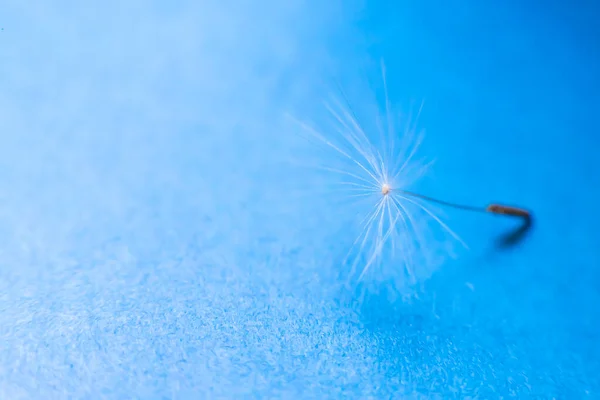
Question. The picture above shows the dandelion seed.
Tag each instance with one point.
(398, 221)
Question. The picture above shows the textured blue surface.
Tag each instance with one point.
(153, 245)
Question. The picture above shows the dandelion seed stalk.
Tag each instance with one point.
(497, 209)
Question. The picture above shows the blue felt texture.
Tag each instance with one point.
(159, 239)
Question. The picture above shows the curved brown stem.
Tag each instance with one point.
(508, 210)
(507, 240)
(494, 208)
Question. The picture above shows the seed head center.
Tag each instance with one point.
(385, 189)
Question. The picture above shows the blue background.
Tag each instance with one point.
(153, 245)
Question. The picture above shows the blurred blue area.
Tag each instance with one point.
(153, 243)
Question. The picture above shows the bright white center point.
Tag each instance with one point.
(385, 189)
